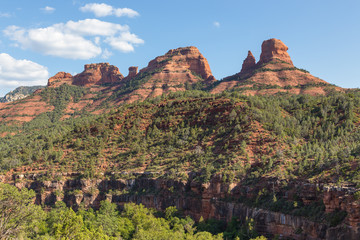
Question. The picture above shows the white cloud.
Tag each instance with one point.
(14, 73)
(106, 54)
(48, 9)
(216, 24)
(99, 9)
(103, 10)
(74, 40)
(122, 12)
(92, 27)
(52, 41)
(125, 42)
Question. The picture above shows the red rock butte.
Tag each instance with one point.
(99, 73)
(274, 49)
(273, 73)
(180, 59)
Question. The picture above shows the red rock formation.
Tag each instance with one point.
(249, 63)
(172, 72)
(59, 79)
(274, 49)
(205, 200)
(273, 73)
(132, 72)
(180, 59)
(98, 73)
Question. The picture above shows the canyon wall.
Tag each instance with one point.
(213, 200)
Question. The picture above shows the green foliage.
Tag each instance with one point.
(21, 218)
(59, 97)
(17, 211)
(303, 136)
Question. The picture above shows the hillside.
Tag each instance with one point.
(238, 141)
(19, 93)
(185, 130)
(171, 135)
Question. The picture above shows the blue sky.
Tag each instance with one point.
(42, 37)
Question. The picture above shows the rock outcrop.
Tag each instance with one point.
(59, 79)
(175, 71)
(274, 49)
(99, 73)
(273, 73)
(185, 61)
(213, 200)
(133, 71)
(249, 63)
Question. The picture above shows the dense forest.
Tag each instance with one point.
(242, 137)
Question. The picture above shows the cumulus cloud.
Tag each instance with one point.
(53, 41)
(75, 40)
(125, 42)
(14, 72)
(216, 24)
(48, 9)
(103, 10)
(91, 27)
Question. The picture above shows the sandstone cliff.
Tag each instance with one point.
(100, 73)
(214, 200)
(179, 69)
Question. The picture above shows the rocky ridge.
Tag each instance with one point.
(273, 73)
(177, 70)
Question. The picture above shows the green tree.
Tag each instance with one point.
(17, 211)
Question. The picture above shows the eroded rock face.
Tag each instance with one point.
(249, 63)
(59, 79)
(132, 72)
(99, 73)
(182, 60)
(179, 69)
(274, 48)
(213, 200)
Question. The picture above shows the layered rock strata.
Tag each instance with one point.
(213, 200)
(100, 73)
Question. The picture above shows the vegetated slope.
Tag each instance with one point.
(274, 73)
(19, 93)
(245, 138)
(214, 153)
